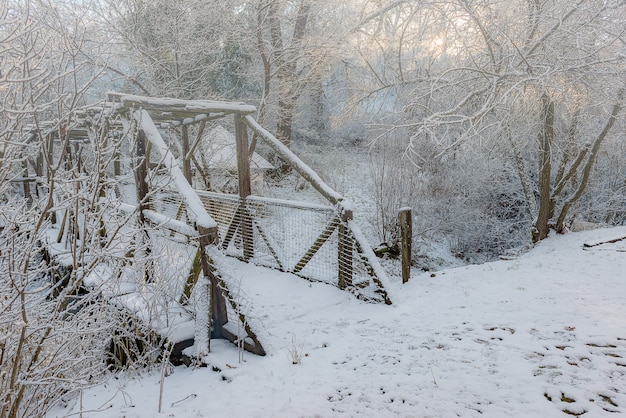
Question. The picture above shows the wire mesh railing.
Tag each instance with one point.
(310, 240)
(316, 242)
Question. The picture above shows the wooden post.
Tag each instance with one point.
(106, 137)
(67, 153)
(245, 188)
(345, 247)
(141, 183)
(186, 161)
(219, 315)
(141, 175)
(39, 173)
(406, 233)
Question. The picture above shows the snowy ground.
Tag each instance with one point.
(543, 335)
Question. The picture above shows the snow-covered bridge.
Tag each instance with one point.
(162, 189)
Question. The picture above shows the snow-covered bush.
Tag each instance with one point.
(465, 200)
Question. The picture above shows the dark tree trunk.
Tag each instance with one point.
(546, 137)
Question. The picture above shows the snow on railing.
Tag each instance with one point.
(198, 213)
(161, 220)
(295, 162)
(172, 105)
(344, 207)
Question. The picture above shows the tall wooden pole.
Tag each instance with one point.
(219, 315)
(141, 174)
(406, 232)
(143, 200)
(245, 188)
(186, 161)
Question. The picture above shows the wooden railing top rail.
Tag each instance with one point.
(178, 108)
(263, 199)
(295, 162)
(196, 210)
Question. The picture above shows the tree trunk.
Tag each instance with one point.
(582, 186)
(286, 67)
(531, 204)
(546, 137)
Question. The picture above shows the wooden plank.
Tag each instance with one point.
(269, 245)
(345, 247)
(179, 105)
(219, 316)
(192, 279)
(245, 188)
(186, 161)
(321, 240)
(304, 170)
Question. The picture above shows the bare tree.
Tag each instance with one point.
(281, 50)
(543, 78)
(53, 334)
(186, 49)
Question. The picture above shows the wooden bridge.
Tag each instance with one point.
(166, 206)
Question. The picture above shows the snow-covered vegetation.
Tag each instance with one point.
(500, 123)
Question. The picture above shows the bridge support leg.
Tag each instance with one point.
(345, 247)
(219, 316)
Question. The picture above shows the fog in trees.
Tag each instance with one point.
(498, 122)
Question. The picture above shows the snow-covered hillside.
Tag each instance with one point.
(543, 335)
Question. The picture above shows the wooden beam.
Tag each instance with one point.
(196, 211)
(345, 247)
(245, 188)
(219, 315)
(179, 106)
(304, 170)
(186, 161)
(328, 231)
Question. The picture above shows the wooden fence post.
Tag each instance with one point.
(406, 232)
(49, 177)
